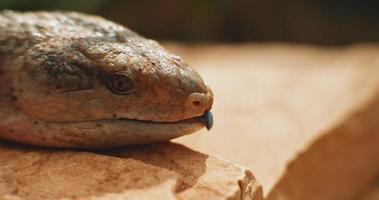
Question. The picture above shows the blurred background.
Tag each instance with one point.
(327, 22)
(271, 100)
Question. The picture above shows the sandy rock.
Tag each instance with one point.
(303, 118)
(164, 171)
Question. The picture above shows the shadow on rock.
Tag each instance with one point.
(171, 156)
(42, 173)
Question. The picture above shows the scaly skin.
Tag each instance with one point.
(75, 80)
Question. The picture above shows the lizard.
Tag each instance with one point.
(74, 80)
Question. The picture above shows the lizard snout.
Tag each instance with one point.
(200, 102)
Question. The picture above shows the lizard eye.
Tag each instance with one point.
(120, 84)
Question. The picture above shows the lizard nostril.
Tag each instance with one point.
(199, 102)
(196, 103)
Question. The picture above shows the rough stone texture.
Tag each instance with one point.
(164, 171)
(303, 118)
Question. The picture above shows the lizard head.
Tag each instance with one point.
(144, 82)
(113, 84)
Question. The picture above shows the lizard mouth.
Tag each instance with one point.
(206, 118)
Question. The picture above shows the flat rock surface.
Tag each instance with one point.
(303, 118)
(164, 171)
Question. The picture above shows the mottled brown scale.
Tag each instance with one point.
(91, 83)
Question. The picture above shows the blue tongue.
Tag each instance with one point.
(208, 120)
